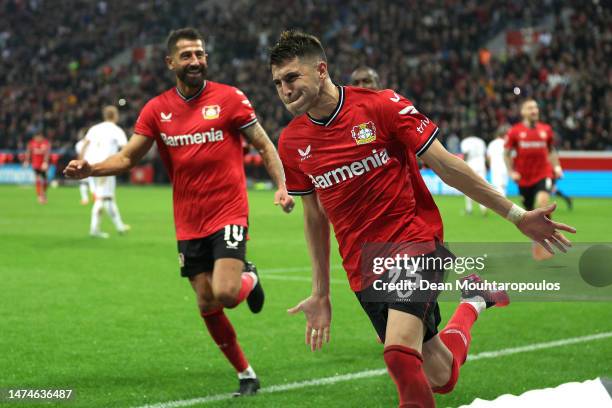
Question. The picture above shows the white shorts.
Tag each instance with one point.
(103, 187)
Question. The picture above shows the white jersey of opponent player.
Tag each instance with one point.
(499, 171)
(474, 150)
(104, 140)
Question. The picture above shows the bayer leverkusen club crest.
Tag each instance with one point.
(211, 111)
(364, 133)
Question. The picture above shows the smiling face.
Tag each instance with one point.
(298, 82)
(530, 111)
(189, 62)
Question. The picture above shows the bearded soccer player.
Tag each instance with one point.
(197, 127)
(536, 162)
(346, 153)
(37, 154)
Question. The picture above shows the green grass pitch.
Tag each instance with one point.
(113, 320)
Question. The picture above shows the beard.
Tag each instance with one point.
(192, 81)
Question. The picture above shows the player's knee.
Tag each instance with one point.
(227, 295)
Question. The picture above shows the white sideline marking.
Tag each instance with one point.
(379, 372)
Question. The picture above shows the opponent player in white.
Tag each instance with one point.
(474, 149)
(497, 164)
(84, 183)
(102, 141)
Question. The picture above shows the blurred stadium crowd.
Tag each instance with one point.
(58, 62)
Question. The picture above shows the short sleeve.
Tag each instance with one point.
(243, 114)
(415, 130)
(298, 184)
(146, 124)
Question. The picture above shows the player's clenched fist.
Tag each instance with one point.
(77, 169)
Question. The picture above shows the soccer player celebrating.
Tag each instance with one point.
(37, 154)
(102, 141)
(197, 127)
(346, 153)
(536, 161)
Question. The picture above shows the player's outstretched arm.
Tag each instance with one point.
(257, 136)
(553, 157)
(127, 158)
(534, 224)
(317, 307)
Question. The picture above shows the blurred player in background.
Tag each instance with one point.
(474, 150)
(102, 141)
(38, 153)
(84, 183)
(345, 153)
(497, 164)
(198, 126)
(365, 77)
(536, 161)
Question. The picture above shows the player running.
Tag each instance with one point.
(38, 153)
(347, 152)
(101, 142)
(536, 162)
(474, 151)
(197, 127)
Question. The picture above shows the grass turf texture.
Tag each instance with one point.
(113, 320)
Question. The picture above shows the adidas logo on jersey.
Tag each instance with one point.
(348, 171)
(197, 138)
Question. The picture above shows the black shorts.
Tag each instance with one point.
(529, 192)
(40, 172)
(199, 255)
(422, 303)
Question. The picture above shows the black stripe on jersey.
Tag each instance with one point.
(428, 143)
(186, 99)
(248, 124)
(327, 121)
(300, 193)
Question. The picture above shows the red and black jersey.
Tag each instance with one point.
(199, 141)
(39, 150)
(532, 146)
(361, 162)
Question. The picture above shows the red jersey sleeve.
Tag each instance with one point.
(510, 139)
(415, 130)
(243, 114)
(297, 182)
(146, 124)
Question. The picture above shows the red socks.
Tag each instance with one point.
(456, 336)
(222, 332)
(39, 187)
(247, 285)
(405, 365)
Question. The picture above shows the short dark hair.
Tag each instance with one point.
(293, 43)
(188, 33)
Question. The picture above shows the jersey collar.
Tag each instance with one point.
(329, 119)
(192, 97)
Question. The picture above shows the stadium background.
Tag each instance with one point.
(112, 320)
